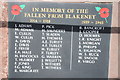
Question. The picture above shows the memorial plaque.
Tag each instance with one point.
(59, 40)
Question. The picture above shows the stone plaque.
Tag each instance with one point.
(59, 40)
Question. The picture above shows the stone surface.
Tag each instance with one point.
(4, 41)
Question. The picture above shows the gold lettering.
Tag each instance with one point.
(35, 9)
(53, 10)
(55, 16)
(36, 15)
(81, 10)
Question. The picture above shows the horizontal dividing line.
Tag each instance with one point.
(36, 26)
(60, 79)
